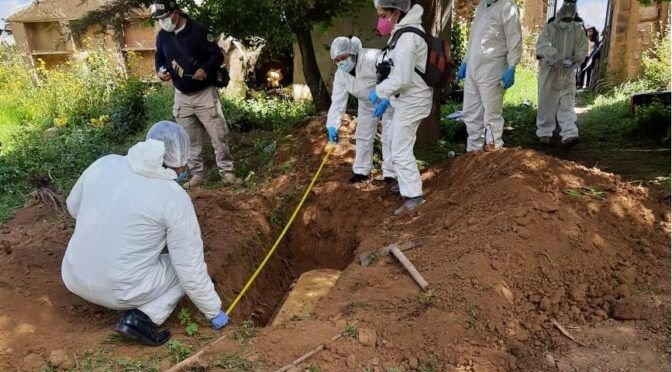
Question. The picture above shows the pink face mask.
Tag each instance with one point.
(385, 26)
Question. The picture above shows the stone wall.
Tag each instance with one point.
(632, 31)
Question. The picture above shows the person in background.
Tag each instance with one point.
(128, 211)
(584, 74)
(405, 90)
(488, 69)
(356, 75)
(561, 48)
(188, 55)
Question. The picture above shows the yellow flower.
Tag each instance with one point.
(60, 122)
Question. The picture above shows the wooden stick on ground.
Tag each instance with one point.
(565, 332)
(309, 354)
(409, 267)
(194, 358)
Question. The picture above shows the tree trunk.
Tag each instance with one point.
(311, 71)
(433, 22)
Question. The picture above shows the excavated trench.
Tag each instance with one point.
(325, 236)
(239, 231)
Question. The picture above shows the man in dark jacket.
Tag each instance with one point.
(187, 55)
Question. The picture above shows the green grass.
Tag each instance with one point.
(245, 332)
(520, 109)
(233, 362)
(178, 350)
(350, 330)
(525, 88)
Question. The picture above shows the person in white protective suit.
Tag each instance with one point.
(356, 75)
(488, 69)
(406, 91)
(561, 48)
(128, 209)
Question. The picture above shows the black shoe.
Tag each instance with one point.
(357, 178)
(389, 181)
(136, 325)
(570, 142)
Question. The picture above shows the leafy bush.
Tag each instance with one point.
(653, 121)
(265, 113)
(94, 109)
(656, 63)
(127, 115)
(451, 130)
(459, 37)
(67, 95)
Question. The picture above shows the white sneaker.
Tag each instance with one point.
(195, 181)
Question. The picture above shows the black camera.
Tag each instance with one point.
(383, 70)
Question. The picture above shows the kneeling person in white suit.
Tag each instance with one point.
(128, 210)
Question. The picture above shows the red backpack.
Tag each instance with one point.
(440, 64)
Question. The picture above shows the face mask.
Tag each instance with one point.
(563, 25)
(385, 26)
(346, 65)
(167, 24)
(181, 177)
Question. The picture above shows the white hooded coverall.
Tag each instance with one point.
(411, 99)
(128, 209)
(495, 43)
(557, 83)
(359, 86)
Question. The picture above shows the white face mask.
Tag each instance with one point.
(347, 65)
(167, 24)
(563, 25)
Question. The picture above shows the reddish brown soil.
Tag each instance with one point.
(507, 251)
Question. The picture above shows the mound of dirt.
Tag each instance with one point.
(515, 240)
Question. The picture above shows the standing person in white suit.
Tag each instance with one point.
(406, 91)
(489, 68)
(356, 75)
(129, 210)
(561, 48)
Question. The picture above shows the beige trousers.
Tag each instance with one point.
(201, 111)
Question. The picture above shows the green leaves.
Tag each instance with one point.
(276, 21)
(191, 328)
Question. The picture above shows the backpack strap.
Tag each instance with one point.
(393, 43)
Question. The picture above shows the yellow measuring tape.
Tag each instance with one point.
(330, 149)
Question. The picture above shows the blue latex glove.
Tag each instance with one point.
(381, 107)
(509, 77)
(220, 320)
(462, 71)
(373, 97)
(333, 134)
(181, 177)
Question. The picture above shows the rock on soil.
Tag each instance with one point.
(34, 363)
(629, 309)
(367, 336)
(61, 359)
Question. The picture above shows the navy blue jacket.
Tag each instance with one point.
(190, 50)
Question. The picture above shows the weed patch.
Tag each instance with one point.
(233, 362)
